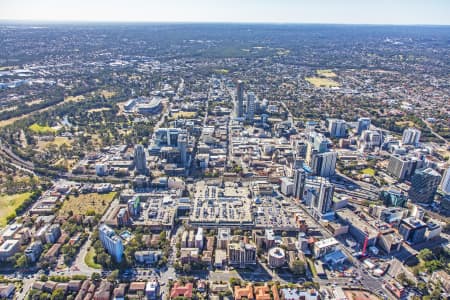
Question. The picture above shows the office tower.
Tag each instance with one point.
(403, 167)
(337, 128)
(445, 183)
(182, 146)
(424, 184)
(412, 230)
(239, 105)
(167, 136)
(299, 182)
(323, 201)
(140, 161)
(250, 106)
(363, 124)
(411, 136)
(324, 164)
(111, 242)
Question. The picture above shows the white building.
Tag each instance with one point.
(411, 136)
(250, 106)
(445, 183)
(199, 238)
(111, 241)
(324, 247)
(287, 186)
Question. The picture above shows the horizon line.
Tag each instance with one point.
(56, 22)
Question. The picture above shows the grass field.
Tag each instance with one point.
(74, 98)
(98, 109)
(107, 94)
(41, 129)
(184, 114)
(322, 82)
(221, 71)
(89, 259)
(326, 73)
(87, 202)
(9, 203)
(369, 171)
(405, 123)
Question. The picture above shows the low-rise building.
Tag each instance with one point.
(8, 249)
(33, 251)
(325, 246)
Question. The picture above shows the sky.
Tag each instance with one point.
(431, 12)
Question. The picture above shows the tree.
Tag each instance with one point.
(113, 276)
(298, 267)
(96, 276)
(58, 294)
(425, 254)
(186, 268)
(21, 262)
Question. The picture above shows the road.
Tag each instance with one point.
(367, 280)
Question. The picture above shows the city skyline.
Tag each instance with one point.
(401, 12)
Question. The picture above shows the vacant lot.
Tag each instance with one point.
(9, 203)
(87, 202)
(58, 141)
(322, 82)
(41, 129)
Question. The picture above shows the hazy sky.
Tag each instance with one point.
(270, 11)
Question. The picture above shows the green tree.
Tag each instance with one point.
(113, 276)
(58, 294)
(298, 267)
(96, 276)
(21, 262)
(425, 254)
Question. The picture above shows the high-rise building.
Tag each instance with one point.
(241, 254)
(363, 124)
(182, 146)
(111, 242)
(370, 139)
(140, 160)
(286, 186)
(403, 167)
(411, 136)
(324, 164)
(445, 183)
(167, 136)
(250, 106)
(299, 182)
(337, 128)
(424, 184)
(239, 105)
(323, 201)
(134, 206)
